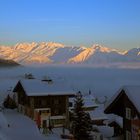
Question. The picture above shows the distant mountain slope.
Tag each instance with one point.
(58, 53)
(97, 54)
(6, 63)
(62, 55)
(133, 54)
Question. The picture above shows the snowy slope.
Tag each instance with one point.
(62, 55)
(58, 53)
(22, 128)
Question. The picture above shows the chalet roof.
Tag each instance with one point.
(39, 88)
(98, 113)
(133, 93)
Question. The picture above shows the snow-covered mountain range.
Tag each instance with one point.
(58, 53)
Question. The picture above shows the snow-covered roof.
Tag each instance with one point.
(40, 88)
(133, 93)
(89, 101)
(98, 113)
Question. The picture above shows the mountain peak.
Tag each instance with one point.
(100, 48)
(50, 44)
(55, 44)
(97, 46)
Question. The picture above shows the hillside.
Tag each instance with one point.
(8, 63)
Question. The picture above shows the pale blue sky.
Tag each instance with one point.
(113, 23)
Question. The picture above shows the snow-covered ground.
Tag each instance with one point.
(22, 128)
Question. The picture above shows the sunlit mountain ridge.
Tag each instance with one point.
(57, 53)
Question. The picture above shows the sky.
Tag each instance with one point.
(112, 23)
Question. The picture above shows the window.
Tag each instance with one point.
(128, 113)
(128, 135)
(70, 104)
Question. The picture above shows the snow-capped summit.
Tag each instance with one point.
(100, 48)
(51, 52)
(104, 49)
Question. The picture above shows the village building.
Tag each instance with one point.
(45, 102)
(126, 104)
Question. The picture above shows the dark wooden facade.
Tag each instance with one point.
(118, 107)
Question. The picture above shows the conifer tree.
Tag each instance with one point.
(81, 123)
(9, 103)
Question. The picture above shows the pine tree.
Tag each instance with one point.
(81, 123)
(9, 103)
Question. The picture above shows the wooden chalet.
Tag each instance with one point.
(126, 104)
(46, 103)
